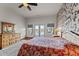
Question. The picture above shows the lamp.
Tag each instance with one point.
(58, 31)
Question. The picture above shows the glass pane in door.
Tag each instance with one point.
(36, 30)
(30, 32)
(41, 30)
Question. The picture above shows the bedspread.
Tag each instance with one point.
(31, 50)
(45, 46)
(48, 42)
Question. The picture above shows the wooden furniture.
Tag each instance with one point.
(56, 36)
(28, 38)
(7, 35)
(7, 27)
(74, 33)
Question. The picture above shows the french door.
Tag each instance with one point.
(39, 30)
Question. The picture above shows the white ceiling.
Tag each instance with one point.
(43, 9)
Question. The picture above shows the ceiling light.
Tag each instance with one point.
(25, 3)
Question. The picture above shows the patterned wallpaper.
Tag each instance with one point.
(69, 14)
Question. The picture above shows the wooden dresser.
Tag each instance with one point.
(7, 38)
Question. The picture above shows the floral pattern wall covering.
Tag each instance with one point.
(70, 14)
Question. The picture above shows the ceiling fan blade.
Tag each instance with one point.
(20, 5)
(29, 8)
(33, 4)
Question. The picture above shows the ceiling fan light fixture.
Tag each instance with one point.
(24, 1)
(25, 4)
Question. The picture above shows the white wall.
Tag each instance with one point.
(42, 20)
(8, 15)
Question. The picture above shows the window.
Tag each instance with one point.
(30, 30)
(39, 30)
(36, 30)
(42, 30)
(50, 29)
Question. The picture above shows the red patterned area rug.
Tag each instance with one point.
(30, 50)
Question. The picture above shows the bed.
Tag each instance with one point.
(45, 46)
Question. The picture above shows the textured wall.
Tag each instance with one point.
(68, 19)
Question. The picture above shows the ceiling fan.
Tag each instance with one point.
(27, 5)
